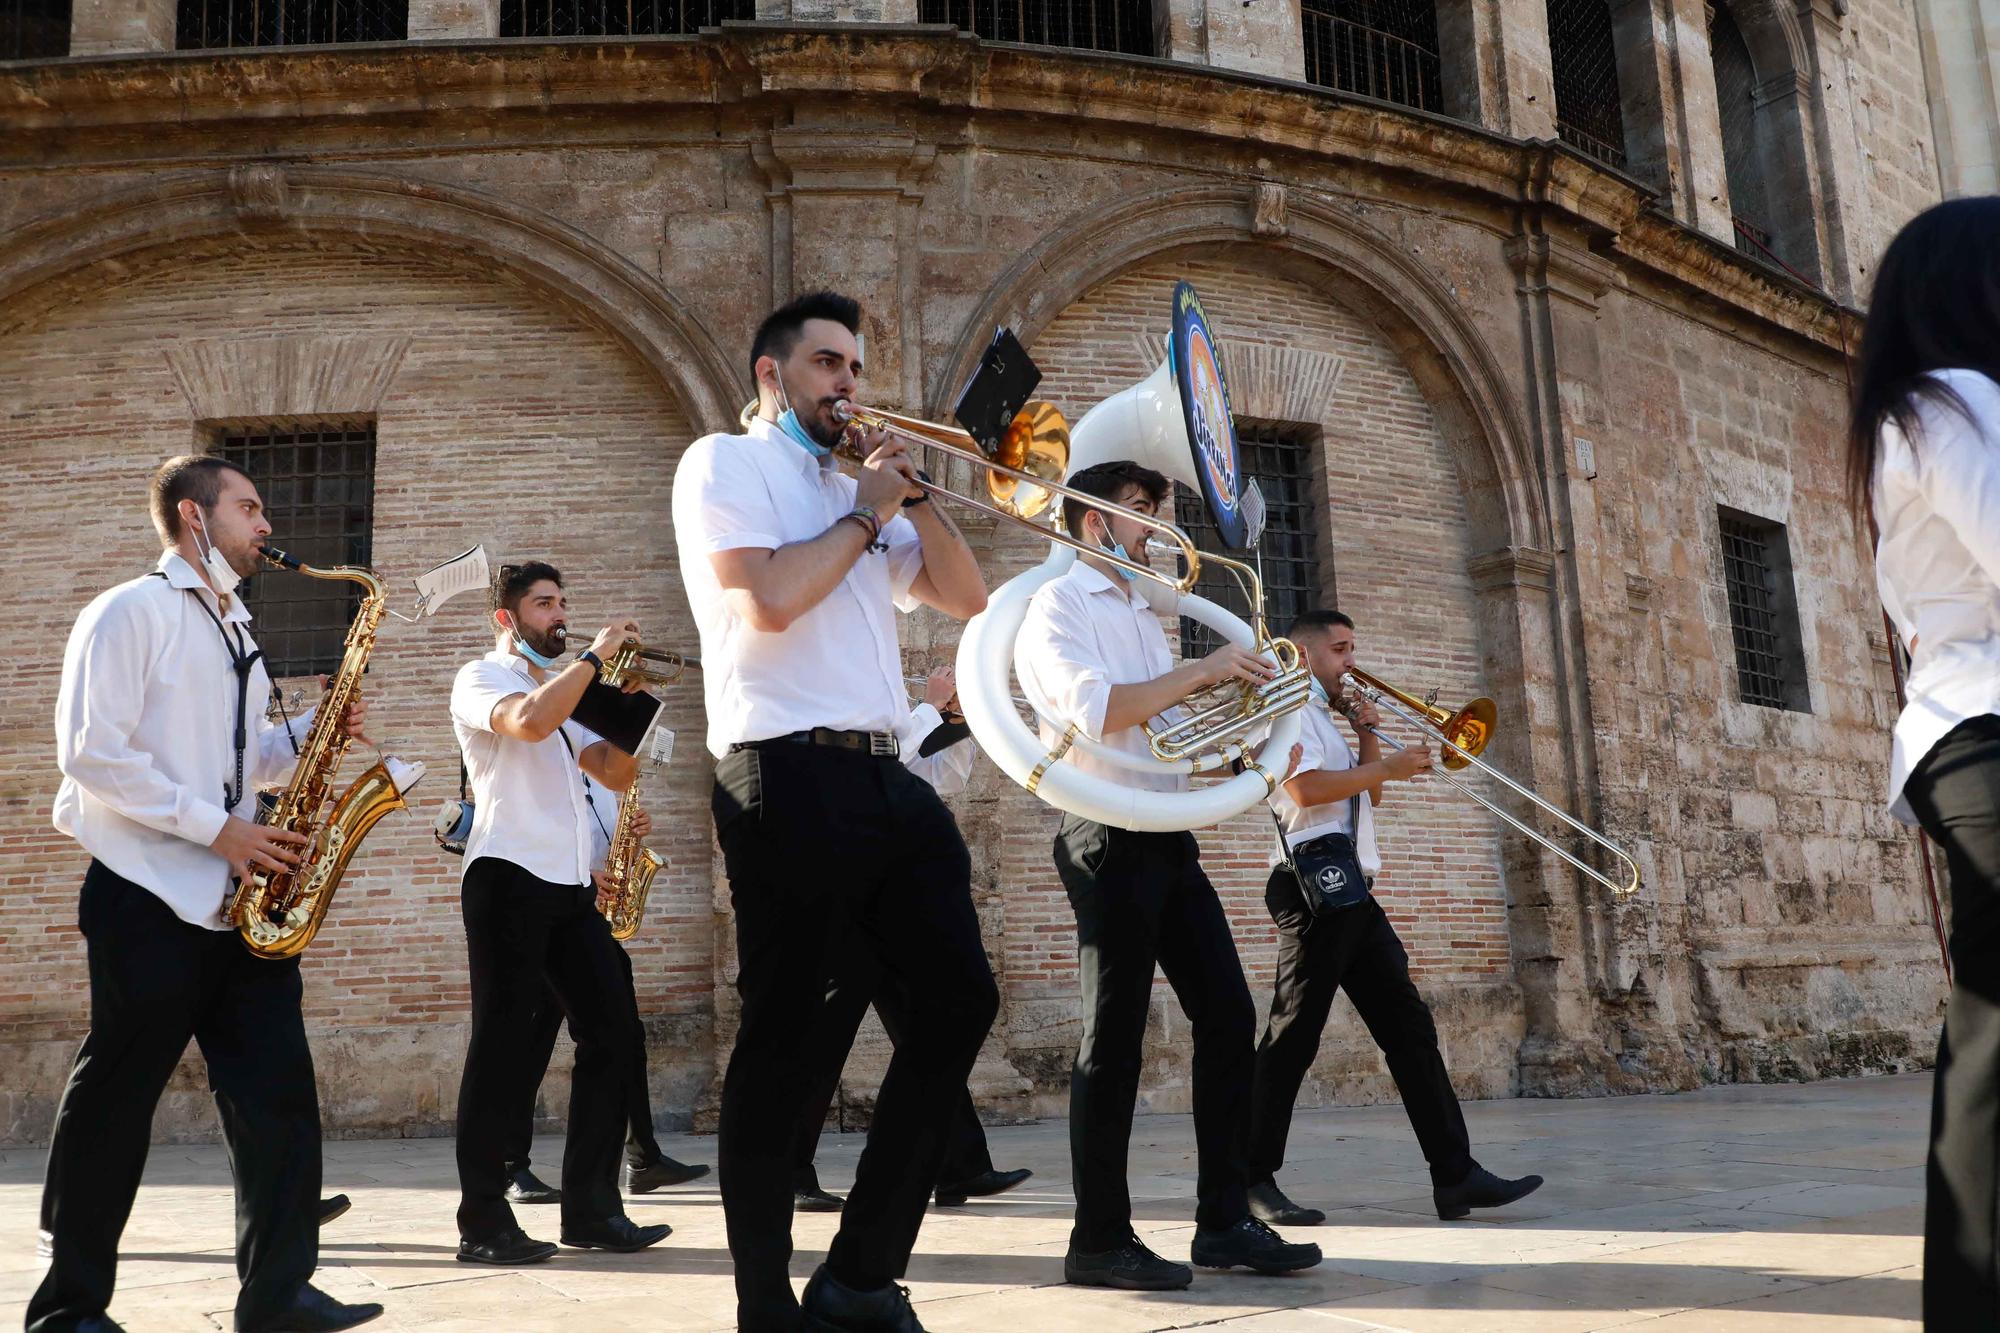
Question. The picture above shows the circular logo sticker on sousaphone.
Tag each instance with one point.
(1211, 429)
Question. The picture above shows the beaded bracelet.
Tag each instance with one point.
(863, 514)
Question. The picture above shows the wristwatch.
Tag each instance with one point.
(596, 662)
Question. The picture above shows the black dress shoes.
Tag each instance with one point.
(1130, 1267)
(313, 1311)
(617, 1234)
(813, 1199)
(523, 1186)
(334, 1207)
(983, 1185)
(660, 1173)
(1252, 1245)
(1269, 1204)
(510, 1249)
(833, 1308)
(1481, 1189)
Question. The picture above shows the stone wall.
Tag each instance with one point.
(540, 283)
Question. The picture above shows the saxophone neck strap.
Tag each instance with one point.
(242, 658)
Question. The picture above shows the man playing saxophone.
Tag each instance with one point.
(162, 745)
(532, 925)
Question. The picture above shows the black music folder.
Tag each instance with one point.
(621, 718)
(1001, 383)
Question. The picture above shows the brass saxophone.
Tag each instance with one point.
(279, 912)
(630, 869)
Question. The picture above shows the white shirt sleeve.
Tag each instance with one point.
(720, 501)
(98, 702)
(478, 690)
(1057, 640)
(906, 559)
(949, 769)
(1958, 468)
(278, 746)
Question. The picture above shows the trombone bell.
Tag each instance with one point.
(1037, 443)
(1468, 730)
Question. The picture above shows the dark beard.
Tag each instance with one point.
(546, 643)
(827, 437)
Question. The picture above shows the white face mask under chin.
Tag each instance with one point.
(222, 575)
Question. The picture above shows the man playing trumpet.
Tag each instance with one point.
(1333, 791)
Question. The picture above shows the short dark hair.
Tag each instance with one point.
(1105, 481)
(779, 333)
(1316, 622)
(196, 477)
(511, 583)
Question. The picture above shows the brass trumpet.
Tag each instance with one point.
(1463, 734)
(635, 661)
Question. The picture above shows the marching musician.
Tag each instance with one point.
(1334, 791)
(1092, 650)
(162, 745)
(532, 924)
(794, 571)
(647, 1166)
(967, 1171)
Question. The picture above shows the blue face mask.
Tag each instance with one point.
(521, 647)
(789, 423)
(1319, 692)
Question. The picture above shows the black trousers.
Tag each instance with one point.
(641, 1148)
(830, 851)
(853, 986)
(156, 981)
(1955, 793)
(1357, 948)
(523, 937)
(1142, 899)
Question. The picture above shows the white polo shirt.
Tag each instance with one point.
(1083, 634)
(1326, 750)
(145, 725)
(528, 796)
(838, 665)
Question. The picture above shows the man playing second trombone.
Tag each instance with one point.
(1334, 792)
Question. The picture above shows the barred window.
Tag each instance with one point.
(1387, 49)
(1124, 26)
(213, 24)
(617, 18)
(34, 29)
(1736, 105)
(318, 487)
(1279, 457)
(1589, 116)
(1763, 612)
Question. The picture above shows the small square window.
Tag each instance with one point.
(1278, 456)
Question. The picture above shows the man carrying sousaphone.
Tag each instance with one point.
(1092, 650)
(794, 572)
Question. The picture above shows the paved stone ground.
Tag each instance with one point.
(1741, 1208)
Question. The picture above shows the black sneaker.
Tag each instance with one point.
(1481, 1189)
(1130, 1267)
(1250, 1244)
(1269, 1204)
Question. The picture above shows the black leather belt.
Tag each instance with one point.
(881, 743)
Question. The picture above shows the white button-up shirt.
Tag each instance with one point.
(1083, 634)
(1937, 567)
(838, 665)
(1324, 749)
(528, 796)
(949, 769)
(145, 737)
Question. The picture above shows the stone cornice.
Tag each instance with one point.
(362, 99)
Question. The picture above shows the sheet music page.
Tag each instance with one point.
(461, 573)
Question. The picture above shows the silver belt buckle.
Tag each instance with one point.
(882, 744)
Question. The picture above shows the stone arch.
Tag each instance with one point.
(1331, 250)
(273, 199)
(1767, 125)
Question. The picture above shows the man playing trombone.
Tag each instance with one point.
(1091, 655)
(1355, 946)
(794, 572)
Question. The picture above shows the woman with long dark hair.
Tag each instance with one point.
(1924, 466)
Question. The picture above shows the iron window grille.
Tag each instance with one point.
(215, 24)
(1385, 49)
(34, 29)
(1763, 612)
(1122, 26)
(318, 487)
(1589, 115)
(1279, 457)
(617, 18)
(1742, 159)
